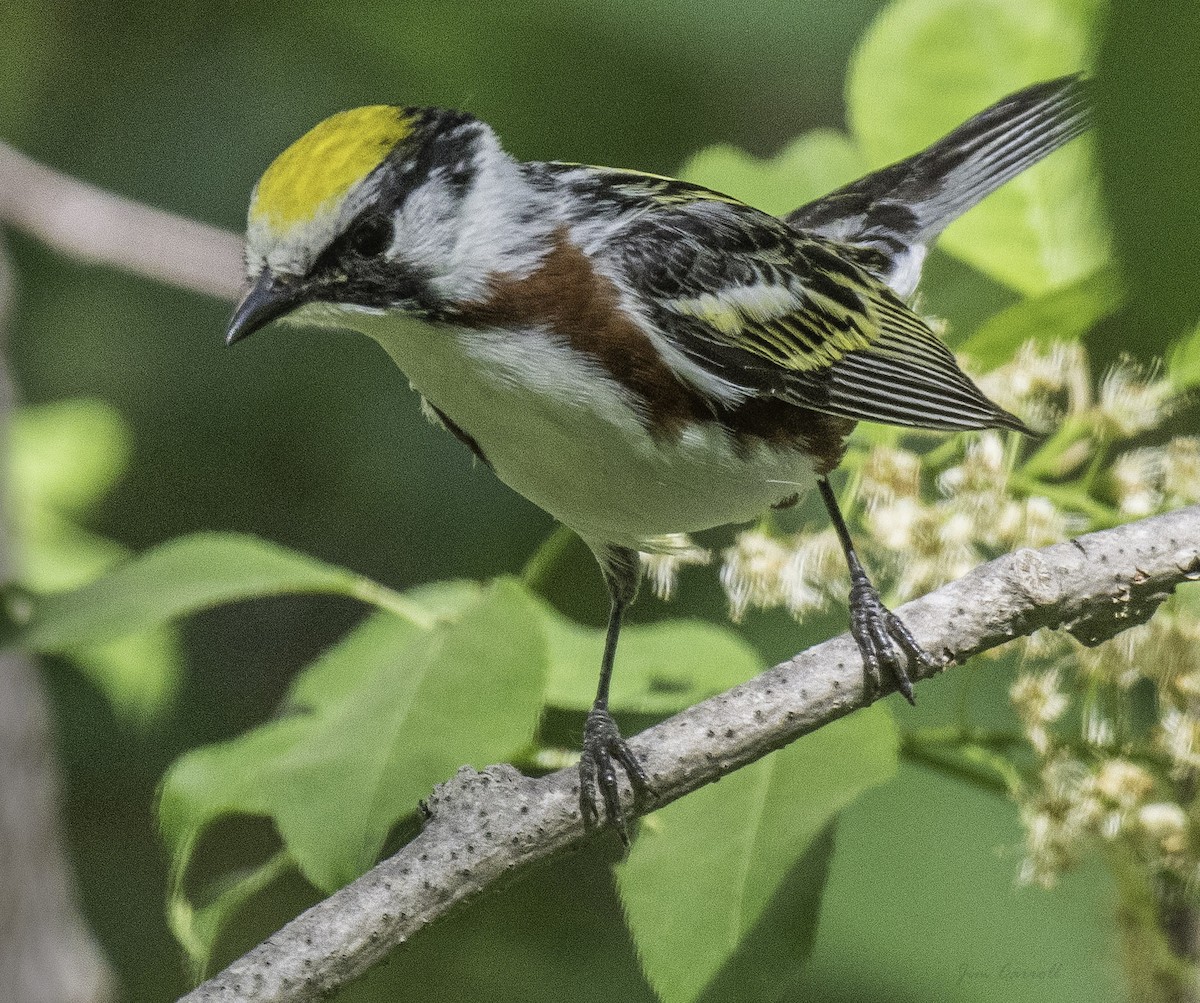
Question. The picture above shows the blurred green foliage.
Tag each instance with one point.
(919, 72)
(1150, 144)
(313, 441)
(64, 458)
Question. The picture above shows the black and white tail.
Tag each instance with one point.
(899, 209)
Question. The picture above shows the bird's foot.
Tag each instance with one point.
(603, 750)
(884, 640)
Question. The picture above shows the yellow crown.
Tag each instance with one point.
(325, 163)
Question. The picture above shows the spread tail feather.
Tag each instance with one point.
(906, 205)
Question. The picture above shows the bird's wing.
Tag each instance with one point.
(794, 317)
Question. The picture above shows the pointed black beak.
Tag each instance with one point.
(268, 300)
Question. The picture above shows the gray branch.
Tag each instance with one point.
(89, 224)
(485, 828)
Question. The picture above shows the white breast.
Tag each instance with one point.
(556, 428)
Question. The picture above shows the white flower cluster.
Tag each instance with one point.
(1143, 803)
(1076, 806)
(923, 544)
(669, 554)
(1043, 383)
(1155, 478)
(1132, 400)
(798, 574)
(921, 538)
(976, 516)
(929, 518)
(1039, 702)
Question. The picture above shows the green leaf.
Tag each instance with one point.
(466, 693)
(372, 646)
(1065, 314)
(57, 554)
(185, 576)
(704, 871)
(229, 778)
(1187, 598)
(774, 951)
(811, 166)
(662, 668)
(419, 702)
(197, 927)
(928, 65)
(139, 674)
(64, 459)
(67, 455)
(960, 295)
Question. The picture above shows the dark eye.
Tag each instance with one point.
(371, 237)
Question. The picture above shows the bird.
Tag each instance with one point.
(638, 355)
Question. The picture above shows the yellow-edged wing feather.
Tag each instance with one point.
(833, 337)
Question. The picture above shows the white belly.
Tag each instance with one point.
(558, 430)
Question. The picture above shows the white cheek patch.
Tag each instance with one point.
(505, 226)
(425, 226)
(455, 239)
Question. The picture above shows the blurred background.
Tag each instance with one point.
(313, 440)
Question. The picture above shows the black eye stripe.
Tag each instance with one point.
(371, 237)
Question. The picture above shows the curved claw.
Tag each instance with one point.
(603, 750)
(884, 640)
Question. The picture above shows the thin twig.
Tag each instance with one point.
(89, 224)
(484, 828)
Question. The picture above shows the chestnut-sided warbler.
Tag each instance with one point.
(638, 355)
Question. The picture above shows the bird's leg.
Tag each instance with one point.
(882, 637)
(603, 746)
